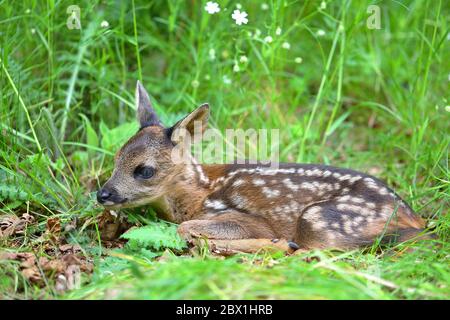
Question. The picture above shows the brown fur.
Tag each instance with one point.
(315, 206)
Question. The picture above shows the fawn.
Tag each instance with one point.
(248, 207)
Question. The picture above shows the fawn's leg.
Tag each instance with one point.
(334, 224)
(233, 232)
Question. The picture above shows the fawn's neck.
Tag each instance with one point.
(190, 185)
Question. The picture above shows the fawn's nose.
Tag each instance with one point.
(103, 195)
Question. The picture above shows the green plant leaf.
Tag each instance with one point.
(155, 236)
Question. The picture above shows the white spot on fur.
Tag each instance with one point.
(271, 193)
(215, 204)
(307, 185)
(336, 175)
(348, 227)
(345, 177)
(290, 185)
(238, 182)
(344, 198)
(357, 200)
(355, 178)
(259, 182)
(370, 205)
(312, 213)
(239, 201)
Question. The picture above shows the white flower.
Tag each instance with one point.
(286, 45)
(298, 60)
(212, 54)
(226, 80)
(320, 33)
(278, 31)
(264, 6)
(268, 39)
(28, 11)
(207, 77)
(243, 59)
(240, 17)
(323, 5)
(447, 108)
(104, 24)
(238, 5)
(257, 33)
(236, 67)
(195, 83)
(341, 27)
(33, 30)
(212, 7)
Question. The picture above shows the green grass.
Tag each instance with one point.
(372, 100)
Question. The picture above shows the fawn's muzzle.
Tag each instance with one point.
(109, 196)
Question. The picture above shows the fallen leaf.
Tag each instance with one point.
(53, 229)
(69, 248)
(111, 225)
(12, 224)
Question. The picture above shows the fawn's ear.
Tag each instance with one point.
(193, 124)
(145, 114)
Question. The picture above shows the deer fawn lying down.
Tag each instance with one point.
(247, 207)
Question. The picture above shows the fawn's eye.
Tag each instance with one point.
(143, 172)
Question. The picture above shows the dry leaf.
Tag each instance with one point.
(53, 229)
(12, 224)
(111, 225)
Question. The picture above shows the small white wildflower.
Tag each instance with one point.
(320, 33)
(257, 33)
(268, 39)
(212, 54)
(212, 7)
(323, 5)
(28, 11)
(298, 60)
(243, 59)
(239, 17)
(239, 6)
(447, 108)
(341, 27)
(33, 30)
(278, 31)
(104, 24)
(207, 77)
(236, 67)
(226, 79)
(286, 45)
(195, 83)
(264, 6)
(250, 34)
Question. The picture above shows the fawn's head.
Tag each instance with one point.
(144, 166)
